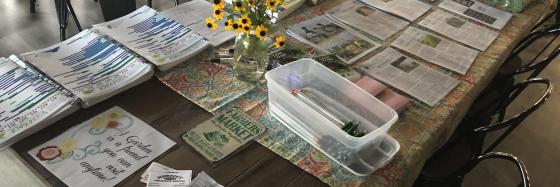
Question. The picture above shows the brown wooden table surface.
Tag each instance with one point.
(173, 115)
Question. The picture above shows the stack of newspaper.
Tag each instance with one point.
(329, 36)
(409, 76)
(435, 49)
(369, 21)
(407, 9)
(478, 11)
(460, 29)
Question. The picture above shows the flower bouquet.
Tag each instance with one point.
(252, 20)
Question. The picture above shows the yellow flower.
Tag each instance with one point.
(279, 41)
(246, 29)
(245, 20)
(238, 6)
(99, 122)
(272, 4)
(218, 4)
(238, 28)
(228, 25)
(218, 13)
(67, 145)
(210, 23)
(261, 32)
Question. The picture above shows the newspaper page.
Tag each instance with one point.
(478, 11)
(326, 35)
(407, 9)
(460, 29)
(409, 76)
(437, 50)
(192, 15)
(368, 20)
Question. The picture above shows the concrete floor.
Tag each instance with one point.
(535, 142)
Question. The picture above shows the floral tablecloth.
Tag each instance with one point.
(420, 130)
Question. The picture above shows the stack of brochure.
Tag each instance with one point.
(192, 15)
(329, 36)
(90, 66)
(161, 40)
(28, 102)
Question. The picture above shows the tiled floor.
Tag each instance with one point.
(536, 142)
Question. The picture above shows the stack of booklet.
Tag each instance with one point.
(192, 15)
(330, 36)
(28, 101)
(161, 40)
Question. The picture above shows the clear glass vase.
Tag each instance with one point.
(250, 57)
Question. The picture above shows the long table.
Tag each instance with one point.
(280, 159)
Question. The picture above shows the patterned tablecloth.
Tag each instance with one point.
(420, 129)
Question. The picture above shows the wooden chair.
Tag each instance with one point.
(467, 141)
(456, 178)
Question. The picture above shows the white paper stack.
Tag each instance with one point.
(161, 40)
(90, 66)
(28, 102)
(192, 15)
(330, 36)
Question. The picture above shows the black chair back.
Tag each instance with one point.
(457, 177)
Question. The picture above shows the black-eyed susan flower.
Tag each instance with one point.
(218, 13)
(210, 23)
(238, 6)
(218, 4)
(237, 28)
(279, 41)
(261, 32)
(245, 20)
(247, 28)
(271, 4)
(228, 25)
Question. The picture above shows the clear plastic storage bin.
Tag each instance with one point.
(360, 155)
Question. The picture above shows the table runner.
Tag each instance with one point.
(420, 129)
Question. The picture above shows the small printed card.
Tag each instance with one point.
(175, 178)
(223, 134)
(102, 151)
(153, 167)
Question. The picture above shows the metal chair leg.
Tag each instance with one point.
(32, 5)
(149, 3)
(78, 26)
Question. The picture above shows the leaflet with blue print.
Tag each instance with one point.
(91, 66)
(161, 40)
(27, 102)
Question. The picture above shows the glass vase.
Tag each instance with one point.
(250, 57)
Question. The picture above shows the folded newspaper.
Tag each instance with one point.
(407, 9)
(478, 11)
(460, 29)
(368, 20)
(328, 36)
(436, 50)
(406, 74)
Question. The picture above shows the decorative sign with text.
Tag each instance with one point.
(103, 150)
(223, 134)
